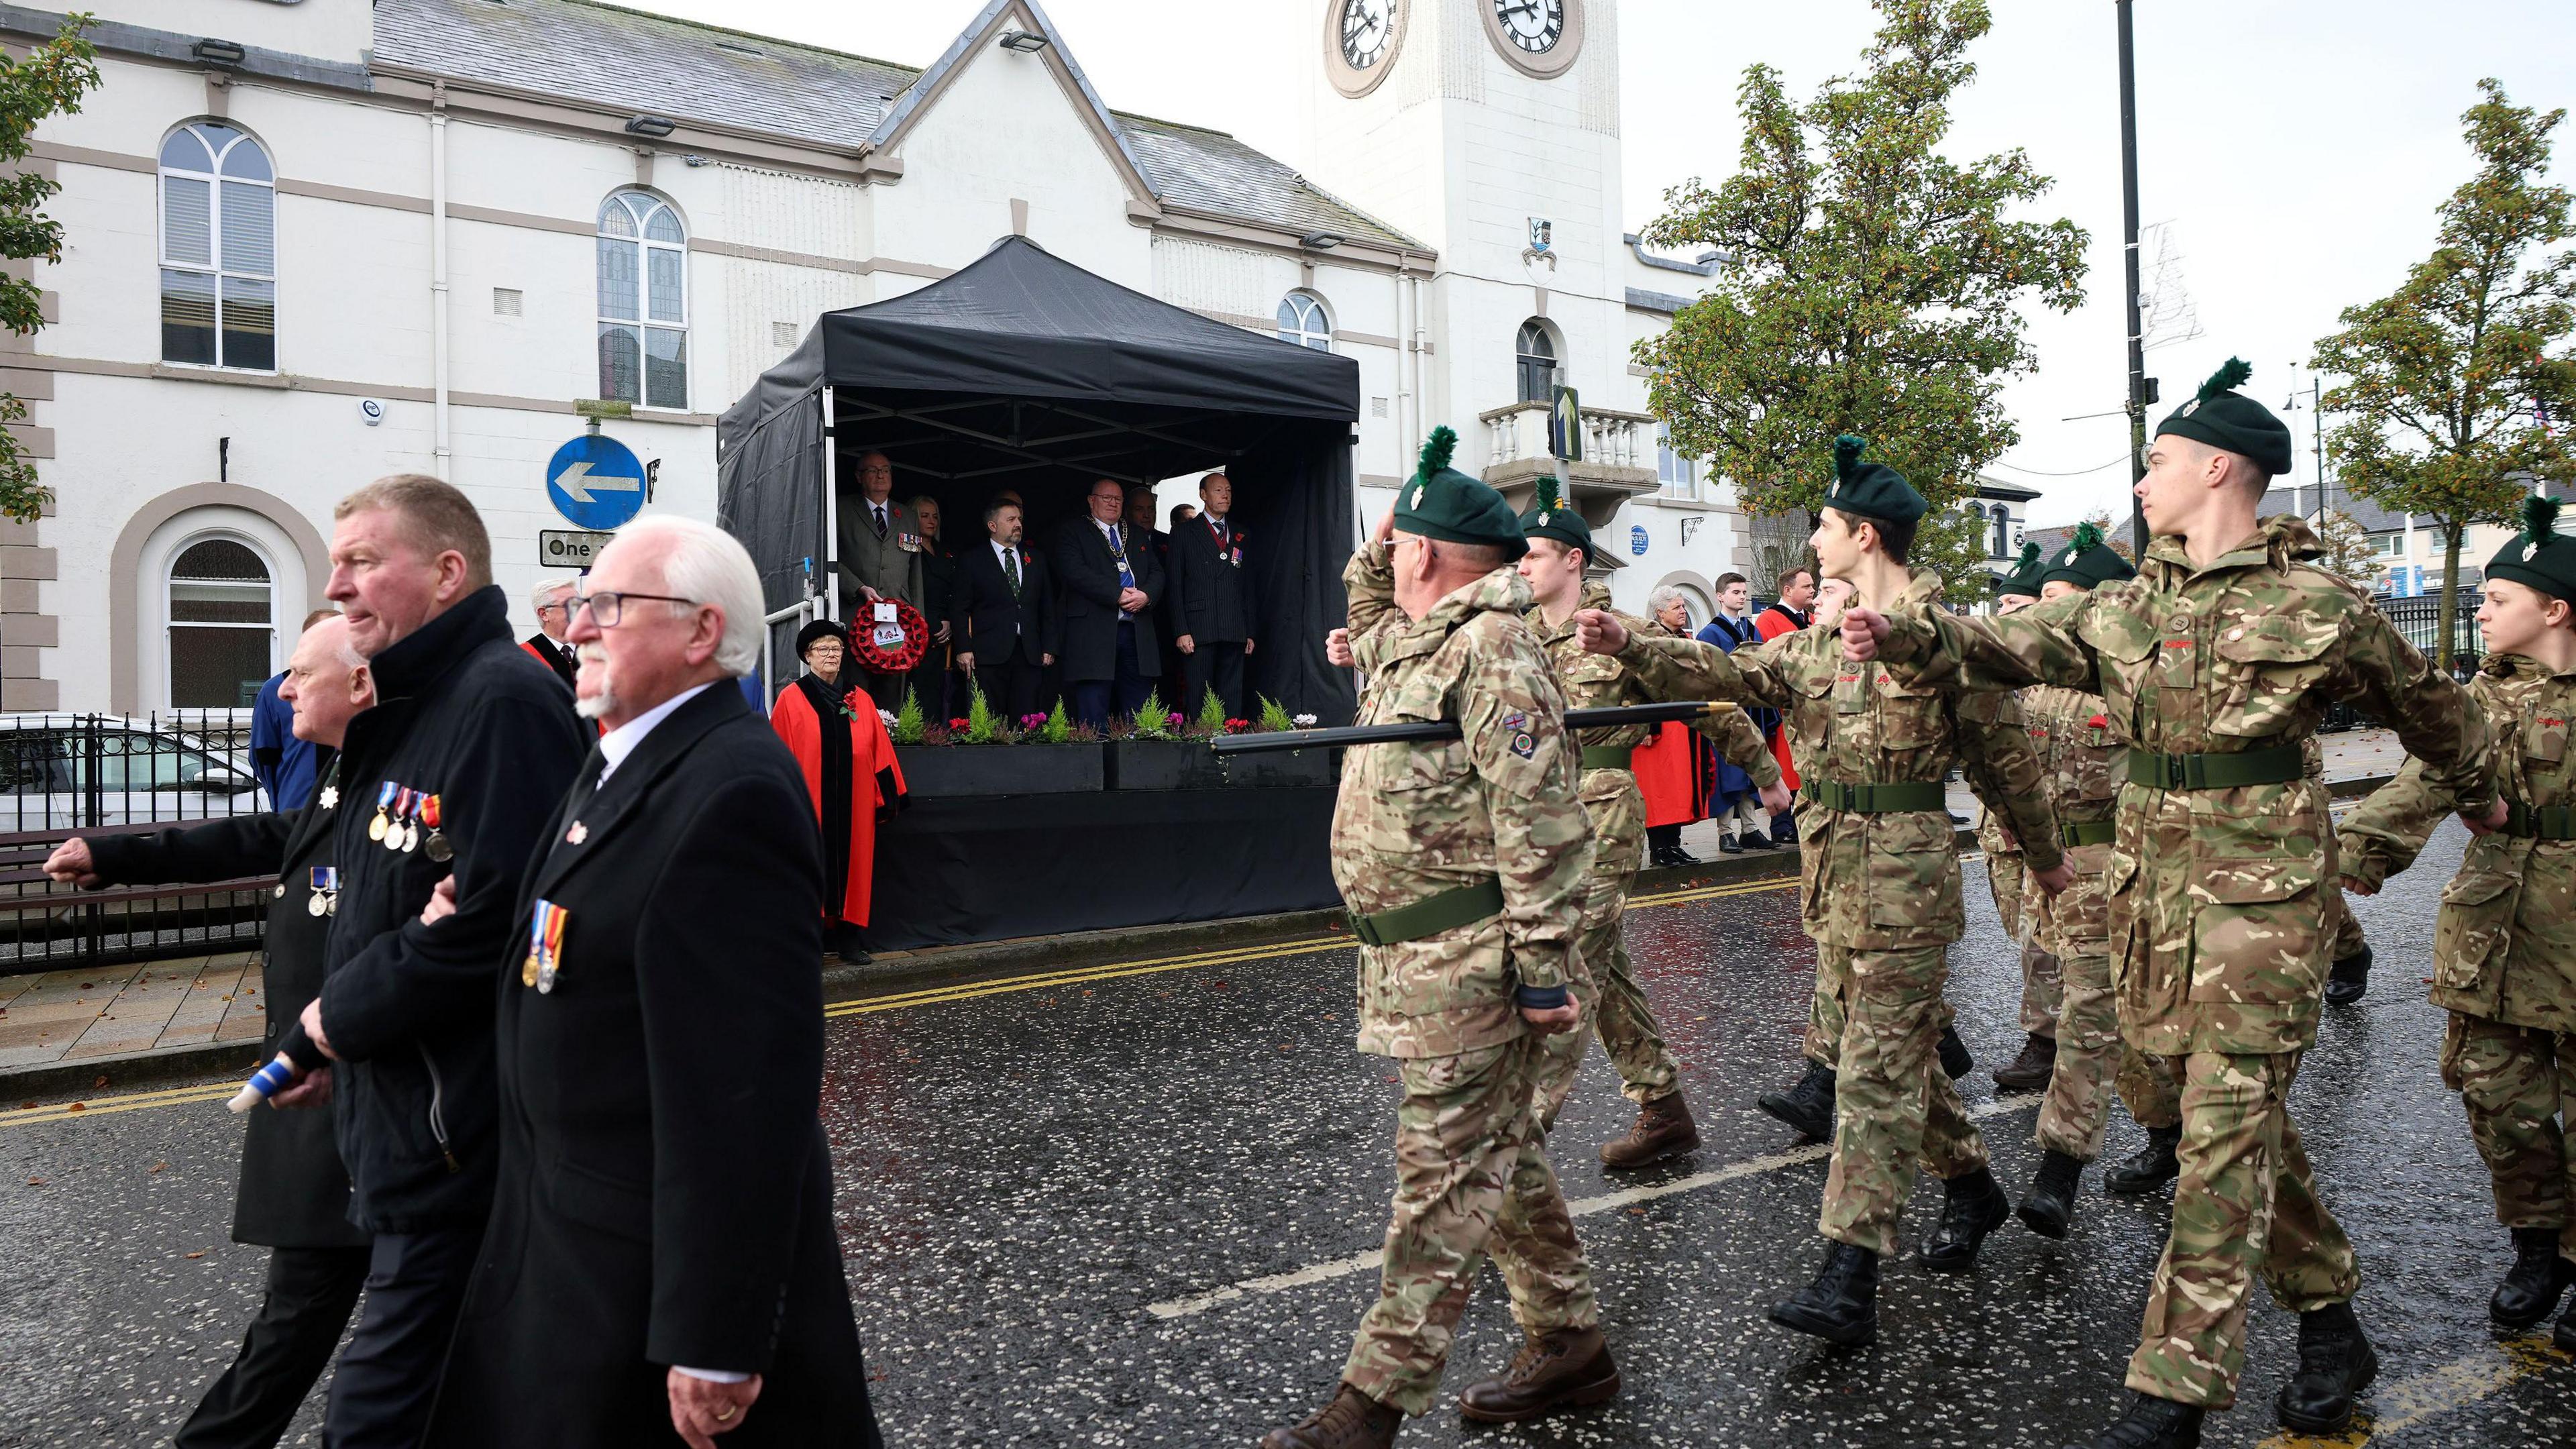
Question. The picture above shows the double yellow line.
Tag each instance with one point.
(126, 1102)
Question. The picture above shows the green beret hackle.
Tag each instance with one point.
(2087, 538)
(2539, 519)
(1436, 451)
(1548, 499)
(2227, 378)
(1847, 451)
(2029, 557)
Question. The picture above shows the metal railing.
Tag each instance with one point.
(66, 775)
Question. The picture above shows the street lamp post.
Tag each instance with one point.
(2129, 248)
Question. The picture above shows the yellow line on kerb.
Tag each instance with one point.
(124, 1102)
(2435, 1392)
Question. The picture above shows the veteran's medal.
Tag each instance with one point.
(439, 850)
(325, 899)
(377, 827)
(393, 835)
(546, 940)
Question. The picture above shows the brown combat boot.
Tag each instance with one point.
(1352, 1420)
(1566, 1369)
(2030, 1071)
(1663, 1129)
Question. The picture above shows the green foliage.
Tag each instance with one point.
(1153, 721)
(909, 726)
(1058, 728)
(1871, 284)
(1274, 716)
(49, 81)
(983, 727)
(1211, 720)
(2448, 378)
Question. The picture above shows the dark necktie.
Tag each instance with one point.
(879, 510)
(1011, 569)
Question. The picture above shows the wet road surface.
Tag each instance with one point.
(1130, 1206)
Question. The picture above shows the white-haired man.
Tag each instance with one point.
(662, 1252)
(547, 645)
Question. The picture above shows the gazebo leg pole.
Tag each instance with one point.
(831, 503)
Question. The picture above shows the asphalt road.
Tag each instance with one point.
(1138, 1206)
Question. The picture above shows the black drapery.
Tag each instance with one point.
(1024, 372)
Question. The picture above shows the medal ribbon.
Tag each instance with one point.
(429, 811)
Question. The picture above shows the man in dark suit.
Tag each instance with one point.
(930, 678)
(1211, 602)
(294, 1194)
(881, 548)
(547, 646)
(661, 1257)
(1109, 581)
(1005, 613)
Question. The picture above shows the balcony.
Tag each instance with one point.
(1618, 457)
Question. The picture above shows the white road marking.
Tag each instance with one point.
(1578, 1207)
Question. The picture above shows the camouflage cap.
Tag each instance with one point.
(1440, 502)
(1870, 490)
(2087, 561)
(1551, 517)
(2229, 420)
(2539, 556)
(2023, 577)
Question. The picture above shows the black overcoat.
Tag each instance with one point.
(666, 1194)
(293, 1191)
(1086, 575)
(1211, 595)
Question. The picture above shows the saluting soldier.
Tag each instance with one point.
(1463, 862)
(2217, 663)
(1881, 895)
(2041, 984)
(2504, 962)
(1560, 548)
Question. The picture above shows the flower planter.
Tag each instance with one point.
(940, 771)
(1191, 765)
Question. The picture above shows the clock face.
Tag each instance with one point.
(1366, 26)
(1533, 25)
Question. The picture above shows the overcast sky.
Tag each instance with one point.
(2297, 148)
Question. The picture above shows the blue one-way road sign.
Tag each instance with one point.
(595, 481)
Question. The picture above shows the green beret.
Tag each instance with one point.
(2540, 556)
(1870, 490)
(1440, 502)
(1549, 517)
(2023, 577)
(2087, 561)
(2229, 420)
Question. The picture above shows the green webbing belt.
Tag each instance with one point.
(1607, 757)
(1431, 915)
(2087, 832)
(2543, 822)
(2278, 765)
(1877, 799)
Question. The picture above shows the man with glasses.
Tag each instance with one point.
(1110, 580)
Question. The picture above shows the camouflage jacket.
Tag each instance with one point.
(1875, 882)
(2218, 912)
(1420, 817)
(2505, 945)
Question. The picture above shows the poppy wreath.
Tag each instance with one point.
(878, 659)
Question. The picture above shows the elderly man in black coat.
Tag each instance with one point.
(1110, 580)
(1210, 603)
(662, 1260)
(293, 1196)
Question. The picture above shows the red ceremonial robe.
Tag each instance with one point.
(1674, 773)
(1774, 622)
(850, 772)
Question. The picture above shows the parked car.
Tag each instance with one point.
(65, 771)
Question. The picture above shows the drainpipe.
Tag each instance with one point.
(438, 276)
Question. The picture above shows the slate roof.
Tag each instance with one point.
(656, 65)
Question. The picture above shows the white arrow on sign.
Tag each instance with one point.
(572, 481)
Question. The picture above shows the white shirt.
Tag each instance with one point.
(1008, 557)
(620, 742)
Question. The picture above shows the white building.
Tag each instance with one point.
(312, 243)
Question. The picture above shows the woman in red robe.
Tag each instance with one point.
(1676, 769)
(850, 771)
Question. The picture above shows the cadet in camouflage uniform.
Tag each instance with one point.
(1463, 863)
(1560, 548)
(2504, 953)
(2217, 663)
(2078, 751)
(2042, 978)
(1881, 888)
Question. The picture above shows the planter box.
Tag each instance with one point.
(1191, 765)
(942, 771)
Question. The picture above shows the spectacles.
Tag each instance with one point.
(608, 606)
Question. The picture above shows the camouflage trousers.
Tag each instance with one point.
(2086, 1018)
(2516, 1083)
(2148, 1088)
(2018, 906)
(2246, 1202)
(1613, 1003)
(1893, 1105)
(2043, 991)
(1471, 1180)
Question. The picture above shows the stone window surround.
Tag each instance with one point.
(125, 665)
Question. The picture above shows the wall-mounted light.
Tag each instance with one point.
(1025, 42)
(221, 54)
(1320, 241)
(651, 126)
(695, 161)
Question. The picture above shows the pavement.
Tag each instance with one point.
(1138, 1203)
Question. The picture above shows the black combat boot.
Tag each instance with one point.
(1808, 1106)
(1352, 1420)
(1955, 1061)
(2336, 1363)
(2349, 980)
(1973, 1206)
(2051, 1204)
(2532, 1285)
(2564, 1335)
(1841, 1306)
(2151, 1423)
(2031, 1070)
(2149, 1168)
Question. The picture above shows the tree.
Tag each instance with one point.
(2451, 380)
(1867, 284)
(2349, 554)
(50, 80)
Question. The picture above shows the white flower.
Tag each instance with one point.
(887, 715)
(1303, 721)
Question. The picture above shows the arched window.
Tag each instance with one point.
(218, 249)
(222, 613)
(1534, 356)
(1302, 321)
(643, 302)
(2001, 547)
